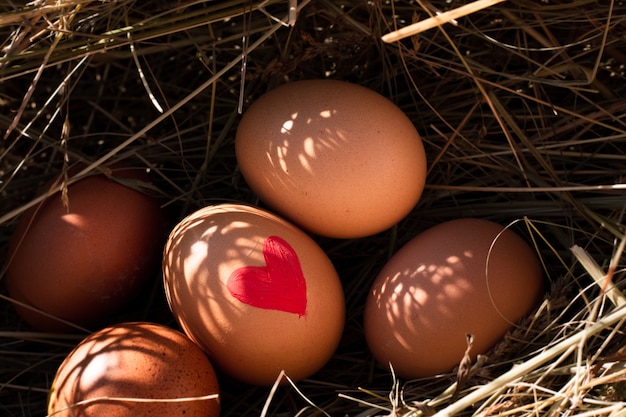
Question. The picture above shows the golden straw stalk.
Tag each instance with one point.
(439, 20)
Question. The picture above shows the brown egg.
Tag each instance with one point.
(122, 370)
(337, 159)
(465, 276)
(87, 261)
(255, 292)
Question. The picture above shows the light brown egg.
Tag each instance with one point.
(121, 371)
(255, 292)
(337, 159)
(465, 276)
(87, 261)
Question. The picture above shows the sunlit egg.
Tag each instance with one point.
(356, 164)
(465, 276)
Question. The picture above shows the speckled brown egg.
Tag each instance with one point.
(464, 276)
(254, 291)
(337, 159)
(85, 262)
(135, 370)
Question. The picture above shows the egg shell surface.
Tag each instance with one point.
(464, 276)
(255, 292)
(135, 360)
(336, 158)
(85, 262)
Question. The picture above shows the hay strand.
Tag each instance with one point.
(438, 20)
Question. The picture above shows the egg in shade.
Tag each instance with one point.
(85, 262)
(464, 276)
(254, 291)
(335, 158)
(122, 370)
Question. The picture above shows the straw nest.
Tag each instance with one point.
(521, 108)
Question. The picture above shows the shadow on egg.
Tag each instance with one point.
(458, 278)
(304, 140)
(111, 371)
(252, 318)
(336, 158)
(194, 265)
(422, 304)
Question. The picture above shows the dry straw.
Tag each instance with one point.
(440, 18)
(521, 108)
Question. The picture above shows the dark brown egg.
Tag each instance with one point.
(465, 276)
(135, 370)
(86, 261)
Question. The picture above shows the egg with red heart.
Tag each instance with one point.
(254, 291)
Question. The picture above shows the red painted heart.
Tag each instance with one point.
(280, 285)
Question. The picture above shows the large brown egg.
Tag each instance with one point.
(135, 370)
(465, 276)
(255, 292)
(86, 261)
(337, 159)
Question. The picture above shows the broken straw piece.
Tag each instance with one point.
(438, 20)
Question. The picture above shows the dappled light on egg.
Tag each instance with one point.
(438, 274)
(197, 254)
(309, 147)
(226, 229)
(74, 220)
(453, 260)
(261, 297)
(460, 277)
(198, 249)
(99, 365)
(304, 162)
(135, 369)
(286, 127)
(341, 160)
(282, 154)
